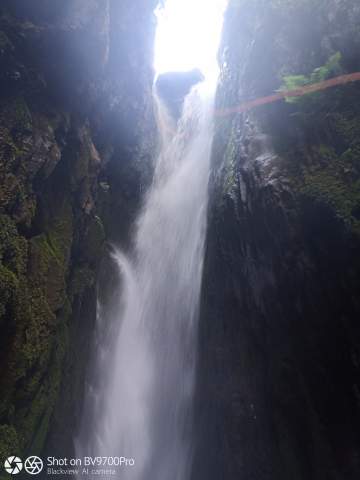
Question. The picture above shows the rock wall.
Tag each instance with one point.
(76, 140)
(278, 383)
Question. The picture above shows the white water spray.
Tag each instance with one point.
(139, 403)
(141, 406)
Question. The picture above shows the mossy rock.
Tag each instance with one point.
(59, 231)
(13, 247)
(47, 271)
(8, 288)
(330, 185)
(16, 116)
(16, 143)
(35, 322)
(36, 367)
(325, 176)
(9, 444)
(35, 420)
(22, 115)
(33, 283)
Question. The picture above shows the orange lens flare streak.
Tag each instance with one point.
(299, 92)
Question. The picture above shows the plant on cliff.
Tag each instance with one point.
(328, 172)
(292, 82)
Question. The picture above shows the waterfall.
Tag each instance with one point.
(140, 404)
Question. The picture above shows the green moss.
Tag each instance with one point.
(32, 283)
(40, 314)
(34, 304)
(15, 143)
(9, 443)
(8, 149)
(13, 257)
(34, 321)
(35, 366)
(13, 247)
(15, 116)
(60, 231)
(39, 349)
(47, 270)
(38, 417)
(347, 126)
(330, 178)
(292, 82)
(8, 288)
(29, 419)
(22, 115)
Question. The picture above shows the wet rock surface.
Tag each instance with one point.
(75, 100)
(278, 381)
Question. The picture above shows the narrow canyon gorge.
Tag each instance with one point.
(180, 250)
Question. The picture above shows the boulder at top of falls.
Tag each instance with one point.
(172, 87)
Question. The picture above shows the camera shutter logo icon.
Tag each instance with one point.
(13, 465)
(33, 465)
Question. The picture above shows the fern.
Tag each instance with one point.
(292, 82)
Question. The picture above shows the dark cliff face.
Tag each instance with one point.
(278, 382)
(76, 133)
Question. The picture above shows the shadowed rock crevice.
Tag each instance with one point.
(172, 87)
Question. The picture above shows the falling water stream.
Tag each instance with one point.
(142, 403)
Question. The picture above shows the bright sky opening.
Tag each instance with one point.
(188, 35)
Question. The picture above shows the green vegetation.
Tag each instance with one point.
(324, 164)
(16, 126)
(9, 443)
(330, 172)
(48, 189)
(334, 183)
(32, 289)
(13, 247)
(291, 82)
(22, 115)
